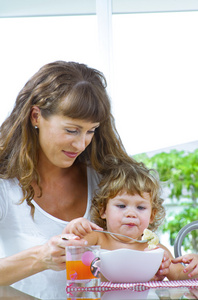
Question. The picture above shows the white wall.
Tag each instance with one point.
(150, 61)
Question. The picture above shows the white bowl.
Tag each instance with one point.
(126, 265)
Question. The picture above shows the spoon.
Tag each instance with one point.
(122, 235)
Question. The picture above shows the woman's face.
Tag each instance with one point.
(63, 139)
(128, 214)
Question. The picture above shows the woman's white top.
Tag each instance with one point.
(19, 231)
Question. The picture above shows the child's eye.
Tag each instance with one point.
(141, 207)
(121, 205)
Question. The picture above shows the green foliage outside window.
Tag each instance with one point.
(178, 170)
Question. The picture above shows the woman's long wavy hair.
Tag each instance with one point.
(122, 176)
(65, 88)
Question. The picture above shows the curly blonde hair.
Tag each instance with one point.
(64, 88)
(133, 179)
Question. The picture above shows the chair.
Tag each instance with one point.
(181, 235)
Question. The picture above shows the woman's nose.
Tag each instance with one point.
(80, 143)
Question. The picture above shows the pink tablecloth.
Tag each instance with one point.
(140, 286)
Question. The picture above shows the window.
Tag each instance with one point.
(29, 43)
(153, 74)
(155, 93)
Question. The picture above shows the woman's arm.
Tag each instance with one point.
(51, 255)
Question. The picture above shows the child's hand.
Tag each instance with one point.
(80, 227)
(164, 268)
(191, 260)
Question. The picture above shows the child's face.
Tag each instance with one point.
(128, 214)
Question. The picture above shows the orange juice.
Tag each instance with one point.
(76, 270)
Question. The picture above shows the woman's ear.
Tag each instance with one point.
(35, 115)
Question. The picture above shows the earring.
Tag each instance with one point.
(36, 127)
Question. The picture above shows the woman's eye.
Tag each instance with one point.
(71, 131)
(91, 131)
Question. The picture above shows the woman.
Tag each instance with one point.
(52, 150)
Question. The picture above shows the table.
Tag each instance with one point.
(152, 294)
(10, 293)
(178, 289)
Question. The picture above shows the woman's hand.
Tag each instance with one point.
(51, 255)
(191, 260)
(80, 227)
(53, 251)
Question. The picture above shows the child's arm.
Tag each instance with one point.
(192, 261)
(176, 270)
(81, 227)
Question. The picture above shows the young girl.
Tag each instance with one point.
(127, 202)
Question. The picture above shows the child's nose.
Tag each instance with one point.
(131, 213)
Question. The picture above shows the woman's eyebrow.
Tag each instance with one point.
(77, 125)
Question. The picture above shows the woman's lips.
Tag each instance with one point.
(70, 154)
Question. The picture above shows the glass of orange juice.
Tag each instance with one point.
(81, 267)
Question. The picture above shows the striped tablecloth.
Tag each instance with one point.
(139, 286)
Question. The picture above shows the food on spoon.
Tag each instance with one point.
(152, 237)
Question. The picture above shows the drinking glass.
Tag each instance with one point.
(82, 269)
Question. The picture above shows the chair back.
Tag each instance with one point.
(181, 235)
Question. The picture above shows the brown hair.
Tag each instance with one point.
(65, 88)
(132, 178)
